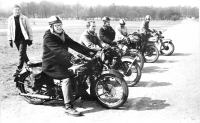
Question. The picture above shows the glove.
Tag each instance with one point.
(74, 60)
(91, 54)
(11, 43)
(29, 42)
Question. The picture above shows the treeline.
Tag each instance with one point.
(45, 9)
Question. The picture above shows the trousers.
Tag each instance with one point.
(22, 47)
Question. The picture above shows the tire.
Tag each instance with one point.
(25, 88)
(166, 49)
(110, 91)
(133, 76)
(140, 59)
(150, 54)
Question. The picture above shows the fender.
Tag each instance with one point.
(19, 76)
(128, 58)
(112, 71)
(167, 40)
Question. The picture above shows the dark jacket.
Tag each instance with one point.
(56, 58)
(144, 28)
(90, 40)
(107, 34)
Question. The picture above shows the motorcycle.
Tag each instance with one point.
(108, 88)
(124, 45)
(126, 65)
(165, 46)
(146, 47)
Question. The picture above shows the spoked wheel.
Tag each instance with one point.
(132, 73)
(25, 87)
(150, 54)
(166, 48)
(140, 59)
(110, 91)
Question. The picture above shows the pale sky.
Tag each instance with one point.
(158, 3)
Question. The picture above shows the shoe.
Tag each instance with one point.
(72, 112)
(16, 72)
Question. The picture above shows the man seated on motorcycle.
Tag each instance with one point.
(106, 33)
(56, 59)
(89, 38)
(121, 30)
(144, 28)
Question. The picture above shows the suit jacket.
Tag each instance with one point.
(107, 35)
(56, 58)
(90, 40)
(25, 27)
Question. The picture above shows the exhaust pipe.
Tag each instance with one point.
(36, 96)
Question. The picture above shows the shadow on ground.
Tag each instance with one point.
(152, 69)
(152, 84)
(180, 54)
(138, 104)
(144, 103)
(166, 61)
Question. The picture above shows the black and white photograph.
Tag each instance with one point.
(107, 61)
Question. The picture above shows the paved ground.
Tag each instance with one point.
(168, 91)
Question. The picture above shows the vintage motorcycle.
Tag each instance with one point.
(165, 46)
(126, 65)
(146, 47)
(124, 45)
(108, 88)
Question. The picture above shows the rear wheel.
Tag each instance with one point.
(25, 87)
(151, 54)
(166, 48)
(110, 91)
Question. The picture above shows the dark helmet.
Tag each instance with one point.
(54, 19)
(106, 18)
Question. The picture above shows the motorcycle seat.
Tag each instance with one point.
(35, 63)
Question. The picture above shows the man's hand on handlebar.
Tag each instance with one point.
(75, 60)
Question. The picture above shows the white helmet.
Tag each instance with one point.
(148, 17)
(122, 22)
(54, 19)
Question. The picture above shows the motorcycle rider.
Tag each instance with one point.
(144, 28)
(106, 32)
(89, 38)
(121, 30)
(56, 59)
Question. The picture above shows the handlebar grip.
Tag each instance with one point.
(83, 57)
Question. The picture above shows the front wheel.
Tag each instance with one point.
(167, 48)
(110, 91)
(150, 53)
(131, 71)
(139, 58)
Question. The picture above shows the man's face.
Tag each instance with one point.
(148, 20)
(58, 27)
(107, 23)
(16, 11)
(92, 27)
(122, 25)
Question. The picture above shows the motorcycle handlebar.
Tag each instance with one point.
(84, 58)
